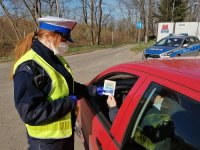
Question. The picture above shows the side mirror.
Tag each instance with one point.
(185, 45)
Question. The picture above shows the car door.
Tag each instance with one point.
(166, 117)
(194, 47)
(186, 47)
(95, 122)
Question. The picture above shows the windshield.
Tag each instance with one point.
(172, 42)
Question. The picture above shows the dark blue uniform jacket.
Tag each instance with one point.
(31, 102)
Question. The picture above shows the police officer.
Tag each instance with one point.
(45, 92)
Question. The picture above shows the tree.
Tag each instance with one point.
(51, 4)
(180, 10)
(34, 9)
(141, 11)
(18, 36)
(99, 22)
(93, 18)
(172, 10)
(193, 10)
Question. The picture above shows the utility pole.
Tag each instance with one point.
(147, 21)
(173, 12)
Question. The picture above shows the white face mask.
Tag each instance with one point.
(61, 49)
(158, 103)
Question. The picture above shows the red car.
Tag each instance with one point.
(159, 105)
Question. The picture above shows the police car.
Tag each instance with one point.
(172, 46)
(158, 104)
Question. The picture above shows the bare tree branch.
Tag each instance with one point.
(11, 20)
(34, 17)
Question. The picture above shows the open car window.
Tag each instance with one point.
(124, 83)
(167, 120)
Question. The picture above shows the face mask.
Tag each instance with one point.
(158, 106)
(158, 103)
(61, 49)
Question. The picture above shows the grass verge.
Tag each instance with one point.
(141, 46)
(73, 50)
(82, 49)
(5, 59)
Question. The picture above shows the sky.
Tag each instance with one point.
(112, 4)
(107, 6)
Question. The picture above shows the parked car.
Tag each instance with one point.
(143, 122)
(172, 46)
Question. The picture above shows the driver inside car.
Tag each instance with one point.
(157, 128)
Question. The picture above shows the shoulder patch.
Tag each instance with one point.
(27, 67)
(24, 67)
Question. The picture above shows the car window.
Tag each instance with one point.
(167, 121)
(173, 42)
(197, 40)
(186, 41)
(124, 82)
(192, 40)
(161, 42)
(176, 42)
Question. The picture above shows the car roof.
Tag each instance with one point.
(181, 36)
(181, 70)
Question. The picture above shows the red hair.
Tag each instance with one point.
(25, 44)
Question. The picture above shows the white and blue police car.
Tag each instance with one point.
(172, 46)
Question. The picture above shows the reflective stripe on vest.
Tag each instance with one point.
(143, 140)
(154, 120)
(59, 88)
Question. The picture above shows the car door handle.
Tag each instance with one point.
(98, 144)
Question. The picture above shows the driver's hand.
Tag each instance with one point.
(111, 101)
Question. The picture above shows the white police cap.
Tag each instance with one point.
(59, 25)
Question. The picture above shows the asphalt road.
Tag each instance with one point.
(85, 67)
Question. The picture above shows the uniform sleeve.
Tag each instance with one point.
(83, 90)
(32, 104)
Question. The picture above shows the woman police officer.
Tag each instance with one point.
(45, 92)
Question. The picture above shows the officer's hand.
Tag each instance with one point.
(73, 100)
(100, 90)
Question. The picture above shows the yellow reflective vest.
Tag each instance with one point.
(61, 128)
